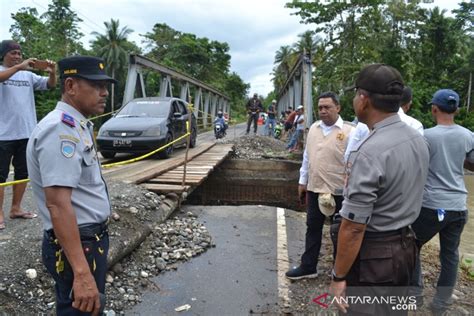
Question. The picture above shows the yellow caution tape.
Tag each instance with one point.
(125, 162)
(5, 184)
(102, 115)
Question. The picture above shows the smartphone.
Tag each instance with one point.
(40, 64)
(101, 298)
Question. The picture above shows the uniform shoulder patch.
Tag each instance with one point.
(68, 148)
(68, 119)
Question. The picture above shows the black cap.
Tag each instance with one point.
(86, 67)
(8, 45)
(381, 79)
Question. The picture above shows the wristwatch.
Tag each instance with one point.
(335, 278)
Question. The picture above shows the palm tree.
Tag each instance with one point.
(111, 47)
(308, 43)
(284, 59)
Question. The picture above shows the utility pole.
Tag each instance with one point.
(469, 92)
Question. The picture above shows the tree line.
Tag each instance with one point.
(431, 49)
(55, 34)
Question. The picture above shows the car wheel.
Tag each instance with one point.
(166, 153)
(107, 154)
(192, 141)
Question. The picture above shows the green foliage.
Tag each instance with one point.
(53, 35)
(201, 58)
(430, 49)
(465, 119)
(114, 47)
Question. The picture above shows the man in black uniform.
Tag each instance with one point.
(385, 176)
(254, 107)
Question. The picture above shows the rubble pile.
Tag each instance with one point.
(256, 147)
(172, 242)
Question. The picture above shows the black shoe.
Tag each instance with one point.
(298, 273)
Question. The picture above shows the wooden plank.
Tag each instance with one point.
(162, 166)
(165, 188)
(196, 167)
(180, 175)
(174, 171)
(177, 181)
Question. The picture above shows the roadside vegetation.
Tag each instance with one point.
(55, 34)
(432, 48)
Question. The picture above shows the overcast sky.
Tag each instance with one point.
(254, 29)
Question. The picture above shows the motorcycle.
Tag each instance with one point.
(219, 131)
(278, 130)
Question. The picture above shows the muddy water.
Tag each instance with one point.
(467, 238)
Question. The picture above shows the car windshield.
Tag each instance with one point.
(145, 108)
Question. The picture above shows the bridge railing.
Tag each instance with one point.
(207, 101)
(297, 89)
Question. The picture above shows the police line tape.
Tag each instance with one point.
(125, 162)
(102, 115)
(5, 184)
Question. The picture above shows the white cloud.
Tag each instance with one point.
(254, 29)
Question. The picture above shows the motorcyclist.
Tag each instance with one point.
(254, 106)
(221, 121)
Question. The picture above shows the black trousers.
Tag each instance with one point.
(252, 118)
(95, 250)
(383, 268)
(314, 231)
(13, 151)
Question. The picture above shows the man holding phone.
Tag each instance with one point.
(18, 119)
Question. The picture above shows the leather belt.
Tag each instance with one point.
(86, 231)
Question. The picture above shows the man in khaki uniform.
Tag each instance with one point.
(321, 178)
(385, 174)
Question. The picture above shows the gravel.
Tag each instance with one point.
(258, 147)
(175, 241)
(26, 287)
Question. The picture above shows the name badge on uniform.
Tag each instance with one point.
(68, 148)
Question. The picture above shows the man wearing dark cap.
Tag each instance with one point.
(17, 105)
(70, 191)
(385, 176)
(444, 208)
(254, 107)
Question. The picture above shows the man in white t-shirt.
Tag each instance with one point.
(18, 119)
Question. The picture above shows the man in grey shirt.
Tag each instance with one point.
(385, 177)
(444, 209)
(69, 189)
(18, 118)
